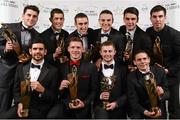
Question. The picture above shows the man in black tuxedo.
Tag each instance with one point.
(144, 83)
(53, 36)
(169, 55)
(82, 76)
(112, 86)
(140, 40)
(43, 84)
(106, 32)
(24, 33)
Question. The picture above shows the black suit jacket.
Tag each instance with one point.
(90, 36)
(8, 62)
(118, 93)
(137, 94)
(49, 37)
(117, 38)
(47, 78)
(86, 88)
(141, 40)
(170, 45)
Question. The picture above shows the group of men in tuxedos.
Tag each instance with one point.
(109, 79)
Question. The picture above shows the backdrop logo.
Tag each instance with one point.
(9, 3)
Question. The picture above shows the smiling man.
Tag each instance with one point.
(140, 40)
(108, 33)
(138, 95)
(115, 90)
(25, 33)
(54, 35)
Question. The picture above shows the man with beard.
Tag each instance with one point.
(43, 85)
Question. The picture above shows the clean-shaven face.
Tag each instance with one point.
(106, 21)
(158, 20)
(130, 21)
(142, 61)
(75, 50)
(30, 18)
(57, 21)
(108, 53)
(82, 24)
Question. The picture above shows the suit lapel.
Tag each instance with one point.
(44, 72)
(26, 69)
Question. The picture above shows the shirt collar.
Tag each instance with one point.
(41, 64)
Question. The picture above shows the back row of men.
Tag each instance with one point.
(113, 54)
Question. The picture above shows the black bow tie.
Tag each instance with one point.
(108, 66)
(104, 35)
(26, 29)
(35, 66)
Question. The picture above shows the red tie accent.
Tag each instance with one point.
(75, 63)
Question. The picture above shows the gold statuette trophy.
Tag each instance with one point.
(25, 95)
(73, 79)
(107, 84)
(10, 36)
(150, 84)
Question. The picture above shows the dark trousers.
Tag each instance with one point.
(33, 114)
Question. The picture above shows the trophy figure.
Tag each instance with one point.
(25, 95)
(10, 36)
(61, 44)
(107, 84)
(150, 84)
(72, 77)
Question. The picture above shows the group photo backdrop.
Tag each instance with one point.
(11, 11)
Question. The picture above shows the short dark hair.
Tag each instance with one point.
(80, 15)
(31, 7)
(158, 8)
(107, 43)
(56, 10)
(131, 10)
(74, 39)
(38, 40)
(106, 12)
(140, 51)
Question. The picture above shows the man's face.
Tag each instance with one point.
(107, 53)
(158, 20)
(30, 18)
(57, 21)
(38, 52)
(106, 21)
(82, 25)
(130, 21)
(75, 50)
(142, 61)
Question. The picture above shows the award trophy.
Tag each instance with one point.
(25, 95)
(72, 77)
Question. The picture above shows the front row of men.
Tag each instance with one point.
(80, 91)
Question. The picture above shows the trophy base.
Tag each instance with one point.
(155, 109)
(75, 102)
(104, 104)
(25, 113)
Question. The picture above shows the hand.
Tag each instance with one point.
(9, 46)
(98, 63)
(159, 90)
(104, 96)
(35, 85)
(78, 106)
(152, 114)
(64, 84)
(20, 109)
(126, 56)
(111, 106)
(58, 51)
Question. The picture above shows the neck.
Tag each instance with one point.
(37, 61)
(108, 62)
